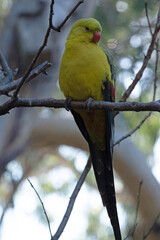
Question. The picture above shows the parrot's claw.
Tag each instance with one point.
(67, 103)
(88, 103)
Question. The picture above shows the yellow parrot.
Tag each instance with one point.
(86, 72)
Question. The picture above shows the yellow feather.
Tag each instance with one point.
(83, 68)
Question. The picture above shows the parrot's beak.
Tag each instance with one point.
(96, 36)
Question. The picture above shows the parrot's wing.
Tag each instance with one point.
(109, 96)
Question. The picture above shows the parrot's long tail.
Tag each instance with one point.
(102, 164)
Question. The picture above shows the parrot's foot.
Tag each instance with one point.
(88, 103)
(67, 103)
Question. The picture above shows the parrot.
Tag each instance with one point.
(86, 73)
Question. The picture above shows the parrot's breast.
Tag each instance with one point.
(82, 71)
(83, 68)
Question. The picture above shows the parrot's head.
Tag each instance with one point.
(86, 30)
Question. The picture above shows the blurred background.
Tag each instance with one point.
(45, 145)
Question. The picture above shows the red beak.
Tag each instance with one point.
(96, 37)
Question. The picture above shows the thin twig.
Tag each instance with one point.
(6, 69)
(156, 70)
(145, 61)
(133, 229)
(147, 16)
(44, 210)
(5, 89)
(72, 201)
(133, 131)
(152, 227)
(138, 203)
(44, 44)
(154, 97)
(58, 29)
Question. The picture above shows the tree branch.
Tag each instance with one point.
(95, 105)
(137, 208)
(145, 61)
(156, 70)
(151, 229)
(133, 229)
(44, 44)
(44, 210)
(129, 134)
(70, 204)
(72, 200)
(5, 89)
(58, 29)
(147, 16)
(154, 97)
(9, 75)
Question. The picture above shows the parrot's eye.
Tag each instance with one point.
(87, 28)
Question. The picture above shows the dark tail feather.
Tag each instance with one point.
(102, 164)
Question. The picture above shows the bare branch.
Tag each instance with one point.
(137, 207)
(5, 89)
(70, 205)
(133, 131)
(6, 69)
(133, 229)
(44, 210)
(95, 105)
(72, 200)
(156, 71)
(152, 227)
(67, 17)
(154, 96)
(147, 16)
(158, 20)
(145, 61)
(44, 44)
